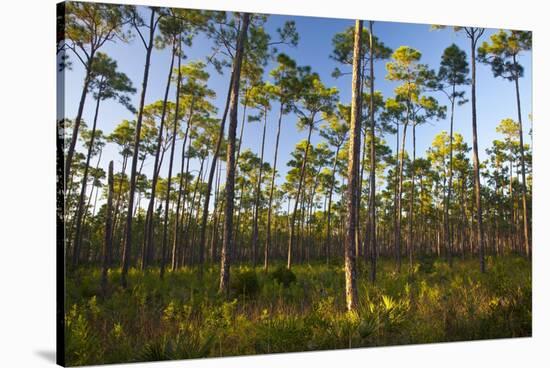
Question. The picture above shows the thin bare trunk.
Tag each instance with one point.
(257, 197)
(297, 199)
(230, 177)
(526, 243)
(353, 177)
(78, 119)
(372, 185)
(449, 187)
(271, 191)
(204, 221)
(81, 207)
(128, 230)
(108, 240)
(169, 180)
(410, 239)
(329, 209)
(477, 183)
(399, 198)
(148, 234)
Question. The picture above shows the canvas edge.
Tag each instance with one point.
(60, 196)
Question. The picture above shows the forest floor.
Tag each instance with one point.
(181, 317)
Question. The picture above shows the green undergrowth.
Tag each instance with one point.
(182, 317)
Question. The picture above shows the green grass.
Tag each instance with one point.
(182, 317)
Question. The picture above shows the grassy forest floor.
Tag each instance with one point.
(181, 317)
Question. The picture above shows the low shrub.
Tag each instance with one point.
(245, 282)
(284, 276)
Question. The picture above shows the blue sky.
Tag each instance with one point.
(496, 97)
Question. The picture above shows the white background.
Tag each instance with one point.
(27, 182)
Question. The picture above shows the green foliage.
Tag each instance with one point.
(82, 344)
(502, 52)
(245, 283)
(107, 82)
(426, 264)
(284, 276)
(342, 53)
(181, 317)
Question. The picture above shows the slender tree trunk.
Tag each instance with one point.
(78, 119)
(97, 189)
(117, 204)
(81, 207)
(399, 197)
(242, 128)
(128, 231)
(329, 210)
(410, 240)
(360, 244)
(230, 172)
(92, 193)
(180, 192)
(397, 251)
(169, 183)
(217, 214)
(353, 162)
(297, 200)
(512, 217)
(372, 185)
(449, 187)
(191, 211)
(271, 191)
(239, 214)
(523, 180)
(303, 214)
(204, 221)
(310, 203)
(257, 197)
(464, 218)
(361, 248)
(156, 166)
(237, 231)
(183, 194)
(477, 184)
(421, 215)
(193, 232)
(108, 241)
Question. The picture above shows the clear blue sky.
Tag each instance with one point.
(496, 97)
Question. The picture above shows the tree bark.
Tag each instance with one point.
(523, 180)
(449, 187)
(477, 184)
(257, 197)
(180, 192)
(156, 166)
(204, 221)
(353, 165)
(396, 191)
(271, 191)
(108, 240)
(399, 197)
(78, 119)
(410, 240)
(372, 185)
(230, 177)
(329, 210)
(128, 230)
(182, 197)
(170, 164)
(297, 200)
(81, 207)
(217, 214)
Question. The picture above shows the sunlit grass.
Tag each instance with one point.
(183, 317)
